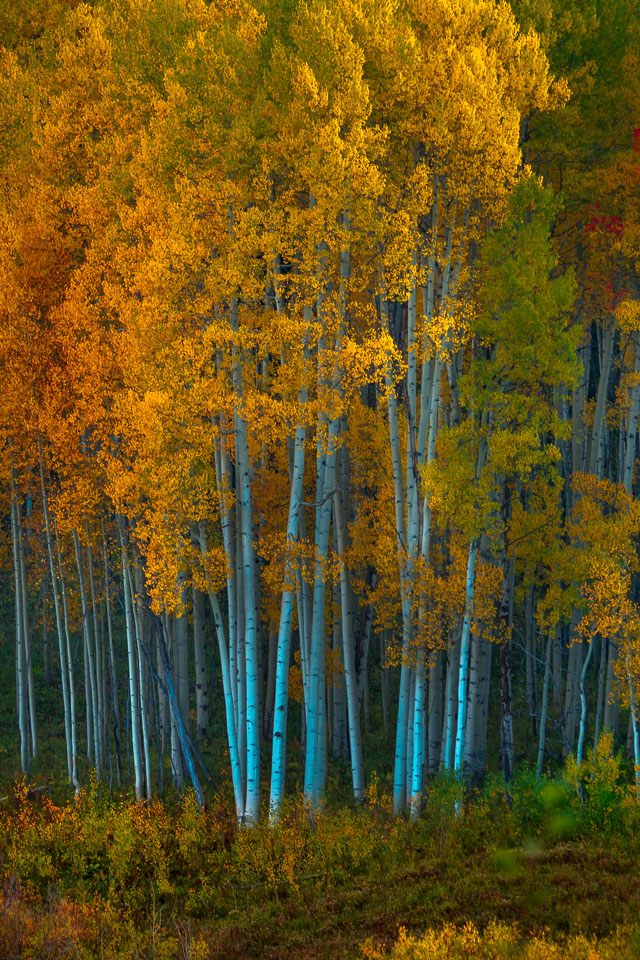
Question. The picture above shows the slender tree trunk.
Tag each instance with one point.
(115, 708)
(248, 566)
(21, 669)
(31, 693)
(530, 656)
(99, 661)
(227, 688)
(435, 711)
(90, 665)
(176, 717)
(583, 704)
(134, 691)
(348, 654)
(594, 451)
(270, 695)
(69, 717)
(339, 747)
(602, 673)
(384, 670)
(465, 647)
(475, 750)
(451, 702)
(611, 704)
(545, 703)
(46, 636)
(69, 659)
(572, 698)
(283, 645)
(181, 641)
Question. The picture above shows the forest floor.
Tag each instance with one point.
(92, 878)
(572, 889)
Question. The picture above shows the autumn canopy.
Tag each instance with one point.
(320, 369)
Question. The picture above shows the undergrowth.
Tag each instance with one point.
(91, 878)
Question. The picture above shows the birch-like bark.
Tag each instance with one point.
(339, 748)
(99, 648)
(611, 701)
(384, 670)
(283, 645)
(200, 660)
(92, 692)
(451, 701)
(475, 749)
(348, 655)
(530, 654)
(69, 710)
(583, 704)
(270, 694)
(46, 636)
(400, 759)
(134, 692)
(21, 671)
(248, 565)
(635, 726)
(31, 693)
(327, 432)
(465, 645)
(631, 426)
(545, 706)
(224, 486)
(176, 716)
(594, 450)
(137, 610)
(227, 689)
(69, 659)
(181, 665)
(602, 674)
(435, 711)
(572, 695)
(283, 649)
(115, 707)
(578, 439)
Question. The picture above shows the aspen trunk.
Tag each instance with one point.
(283, 646)
(530, 657)
(99, 662)
(594, 450)
(115, 708)
(572, 698)
(69, 661)
(400, 759)
(435, 711)
(583, 704)
(545, 703)
(384, 671)
(451, 703)
(348, 655)
(69, 720)
(270, 694)
(90, 665)
(134, 692)
(475, 749)
(20, 655)
(465, 646)
(339, 747)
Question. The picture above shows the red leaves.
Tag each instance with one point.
(613, 225)
(636, 139)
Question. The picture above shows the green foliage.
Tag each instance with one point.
(524, 346)
(607, 803)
